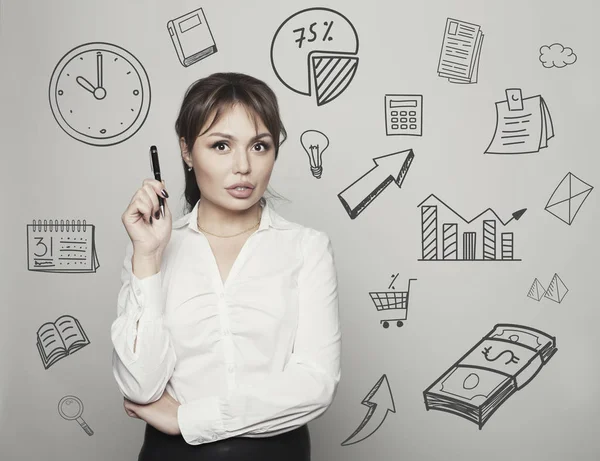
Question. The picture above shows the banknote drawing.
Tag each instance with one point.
(503, 362)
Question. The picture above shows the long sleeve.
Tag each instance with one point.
(141, 375)
(305, 388)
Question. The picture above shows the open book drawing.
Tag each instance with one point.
(56, 340)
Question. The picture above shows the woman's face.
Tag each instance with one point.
(232, 151)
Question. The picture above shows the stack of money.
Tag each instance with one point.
(504, 361)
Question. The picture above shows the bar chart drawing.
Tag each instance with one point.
(483, 237)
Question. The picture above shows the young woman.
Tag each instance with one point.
(227, 339)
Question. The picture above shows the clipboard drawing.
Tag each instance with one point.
(523, 125)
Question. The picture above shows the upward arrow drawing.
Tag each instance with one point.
(391, 167)
(379, 402)
(516, 215)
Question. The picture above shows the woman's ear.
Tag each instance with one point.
(187, 158)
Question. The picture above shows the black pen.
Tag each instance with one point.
(156, 171)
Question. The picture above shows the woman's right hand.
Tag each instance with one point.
(148, 230)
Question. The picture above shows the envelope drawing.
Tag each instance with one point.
(567, 198)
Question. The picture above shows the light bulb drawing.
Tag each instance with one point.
(314, 143)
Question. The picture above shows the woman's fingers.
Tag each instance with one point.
(145, 203)
(151, 198)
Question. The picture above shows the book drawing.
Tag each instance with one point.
(191, 37)
(56, 340)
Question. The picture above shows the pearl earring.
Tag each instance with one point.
(189, 168)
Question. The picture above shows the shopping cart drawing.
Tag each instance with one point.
(396, 302)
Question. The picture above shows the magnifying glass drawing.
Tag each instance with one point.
(71, 408)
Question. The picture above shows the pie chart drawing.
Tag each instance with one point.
(315, 52)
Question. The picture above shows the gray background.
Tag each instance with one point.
(49, 175)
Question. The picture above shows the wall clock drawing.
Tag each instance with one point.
(99, 94)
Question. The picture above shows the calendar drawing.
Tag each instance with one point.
(62, 247)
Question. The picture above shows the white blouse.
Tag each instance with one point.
(256, 356)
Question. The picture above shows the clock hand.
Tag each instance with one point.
(99, 69)
(84, 83)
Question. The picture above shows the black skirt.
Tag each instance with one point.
(290, 446)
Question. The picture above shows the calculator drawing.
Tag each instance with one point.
(404, 114)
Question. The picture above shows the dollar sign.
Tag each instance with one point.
(513, 358)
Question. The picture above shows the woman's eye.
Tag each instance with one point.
(261, 146)
(219, 146)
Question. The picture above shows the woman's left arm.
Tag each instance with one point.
(305, 388)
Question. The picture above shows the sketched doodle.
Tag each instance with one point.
(392, 303)
(191, 37)
(536, 290)
(557, 290)
(522, 125)
(404, 114)
(56, 340)
(65, 246)
(556, 55)
(461, 49)
(314, 143)
(567, 198)
(71, 408)
(315, 44)
(99, 94)
(391, 167)
(379, 401)
(451, 245)
(500, 364)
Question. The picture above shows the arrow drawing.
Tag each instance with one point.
(358, 195)
(380, 401)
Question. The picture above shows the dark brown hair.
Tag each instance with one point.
(215, 94)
